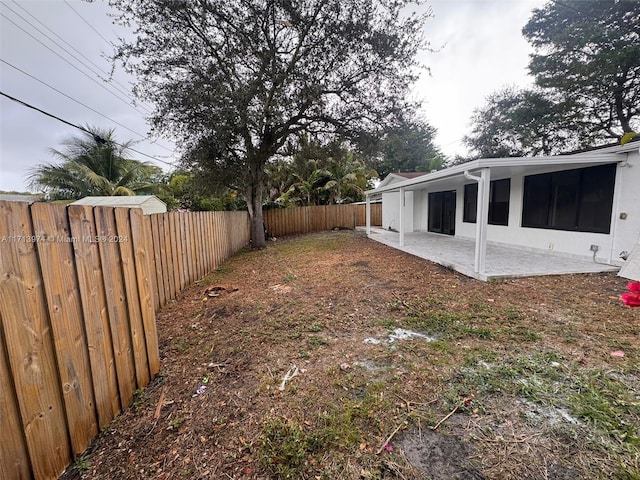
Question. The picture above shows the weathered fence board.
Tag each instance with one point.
(56, 260)
(165, 254)
(14, 459)
(153, 259)
(142, 244)
(294, 221)
(94, 306)
(29, 345)
(184, 249)
(167, 249)
(136, 330)
(376, 214)
(117, 305)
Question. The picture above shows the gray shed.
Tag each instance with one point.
(148, 203)
(10, 197)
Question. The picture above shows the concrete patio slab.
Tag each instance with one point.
(502, 261)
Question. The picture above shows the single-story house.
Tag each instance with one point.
(583, 205)
(148, 203)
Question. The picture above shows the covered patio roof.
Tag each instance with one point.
(504, 167)
(483, 171)
(502, 261)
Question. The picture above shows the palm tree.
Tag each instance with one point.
(94, 164)
(348, 181)
(321, 175)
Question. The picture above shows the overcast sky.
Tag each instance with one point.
(480, 48)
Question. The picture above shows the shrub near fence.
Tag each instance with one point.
(79, 287)
(293, 221)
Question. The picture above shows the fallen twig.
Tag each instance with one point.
(450, 414)
(410, 402)
(446, 418)
(156, 415)
(503, 440)
(386, 442)
(410, 308)
(219, 366)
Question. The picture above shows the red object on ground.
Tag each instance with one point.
(632, 297)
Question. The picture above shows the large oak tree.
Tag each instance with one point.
(588, 52)
(523, 123)
(235, 80)
(587, 71)
(408, 147)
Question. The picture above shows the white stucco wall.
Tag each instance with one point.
(624, 234)
(575, 243)
(391, 211)
(627, 230)
(420, 218)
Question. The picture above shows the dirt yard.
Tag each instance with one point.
(534, 378)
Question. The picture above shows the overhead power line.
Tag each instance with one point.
(455, 141)
(43, 112)
(108, 76)
(96, 68)
(71, 98)
(72, 65)
(85, 21)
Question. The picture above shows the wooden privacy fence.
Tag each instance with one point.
(292, 221)
(79, 287)
(187, 246)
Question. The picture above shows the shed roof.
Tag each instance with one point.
(117, 201)
(11, 197)
(148, 203)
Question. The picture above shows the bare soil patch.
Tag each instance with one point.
(517, 375)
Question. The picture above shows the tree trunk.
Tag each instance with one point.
(619, 106)
(254, 205)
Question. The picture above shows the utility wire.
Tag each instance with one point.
(92, 70)
(451, 143)
(570, 7)
(71, 98)
(43, 112)
(25, 104)
(112, 81)
(86, 75)
(85, 21)
(67, 61)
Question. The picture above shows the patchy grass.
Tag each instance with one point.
(81, 465)
(595, 407)
(518, 383)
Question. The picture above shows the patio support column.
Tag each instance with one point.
(368, 214)
(401, 217)
(482, 218)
